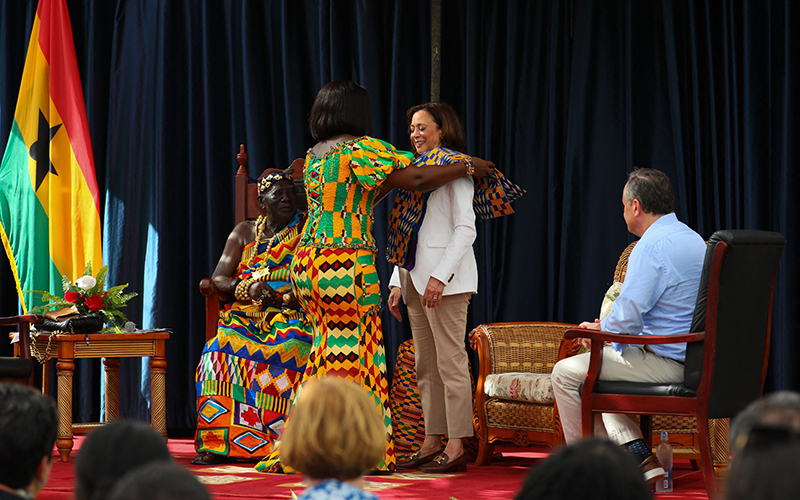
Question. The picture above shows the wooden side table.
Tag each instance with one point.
(67, 348)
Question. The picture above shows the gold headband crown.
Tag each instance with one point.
(269, 179)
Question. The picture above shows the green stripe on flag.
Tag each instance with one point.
(25, 224)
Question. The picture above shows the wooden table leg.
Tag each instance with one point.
(112, 388)
(64, 440)
(158, 374)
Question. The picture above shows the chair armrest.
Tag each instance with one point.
(209, 288)
(596, 358)
(568, 347)
(33, 319)
(213, 296)
(621, 338)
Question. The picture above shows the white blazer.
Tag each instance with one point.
(444, 243)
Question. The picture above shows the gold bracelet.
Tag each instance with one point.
(242, 289)
(470, 167)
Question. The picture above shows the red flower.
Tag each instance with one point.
(71, 296)
(94, 303)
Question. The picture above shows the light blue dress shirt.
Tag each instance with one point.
(661, 283)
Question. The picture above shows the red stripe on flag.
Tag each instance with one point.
(67, 93)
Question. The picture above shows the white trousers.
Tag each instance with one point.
(635, 364)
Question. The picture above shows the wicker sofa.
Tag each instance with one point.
(503, 348)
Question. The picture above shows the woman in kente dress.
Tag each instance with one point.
(249, 371)
(333, 272)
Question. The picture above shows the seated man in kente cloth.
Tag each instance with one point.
(248, 372)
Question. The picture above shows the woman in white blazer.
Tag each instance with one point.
(438, 277)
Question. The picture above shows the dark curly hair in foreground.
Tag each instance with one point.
(159, 480)
(109, 452)
(594, 469)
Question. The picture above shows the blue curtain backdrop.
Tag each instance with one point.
(565, 96)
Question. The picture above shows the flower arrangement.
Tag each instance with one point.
(88, 296)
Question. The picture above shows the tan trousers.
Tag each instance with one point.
(441, 362)
(635, 364)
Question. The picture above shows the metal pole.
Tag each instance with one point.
(436, 44)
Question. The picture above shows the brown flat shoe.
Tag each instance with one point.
(415, 460)
(652, 469)
(442, 464)
(211, 459)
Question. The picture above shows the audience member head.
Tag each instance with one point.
(780, 409)
(334, 431)
(110, 451)
(341, 107)
(767, 466)
(446, 118)
(593, 469)
(28, 424)
(653, 189)
(159, 480)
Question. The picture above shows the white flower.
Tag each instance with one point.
(85, 282)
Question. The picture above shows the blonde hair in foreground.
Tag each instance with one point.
(334, 431)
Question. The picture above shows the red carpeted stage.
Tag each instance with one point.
(501, 480)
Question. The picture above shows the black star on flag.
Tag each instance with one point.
(40, 150)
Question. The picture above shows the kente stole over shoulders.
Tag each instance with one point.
(493, 197)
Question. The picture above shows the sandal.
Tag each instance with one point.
(206, 458)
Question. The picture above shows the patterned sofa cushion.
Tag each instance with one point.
(526, 387)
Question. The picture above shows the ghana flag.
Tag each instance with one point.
(49, 202)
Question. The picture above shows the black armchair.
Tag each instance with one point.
(727, 350)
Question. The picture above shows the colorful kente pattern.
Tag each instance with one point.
(340, 189)
(407, 420)
(248, 373)
(493, 197)
(340, 292)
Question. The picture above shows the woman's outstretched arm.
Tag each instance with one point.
(413, 178)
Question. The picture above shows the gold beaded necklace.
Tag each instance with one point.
(261, 224)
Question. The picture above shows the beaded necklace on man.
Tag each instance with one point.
(243, 288)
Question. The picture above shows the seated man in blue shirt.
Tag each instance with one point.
(657, 298)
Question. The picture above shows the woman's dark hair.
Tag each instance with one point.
(767, 469)
(593, 469)
(111, 451)
(159, 480)
(446, 118)
(780, 408)
(341, 107)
